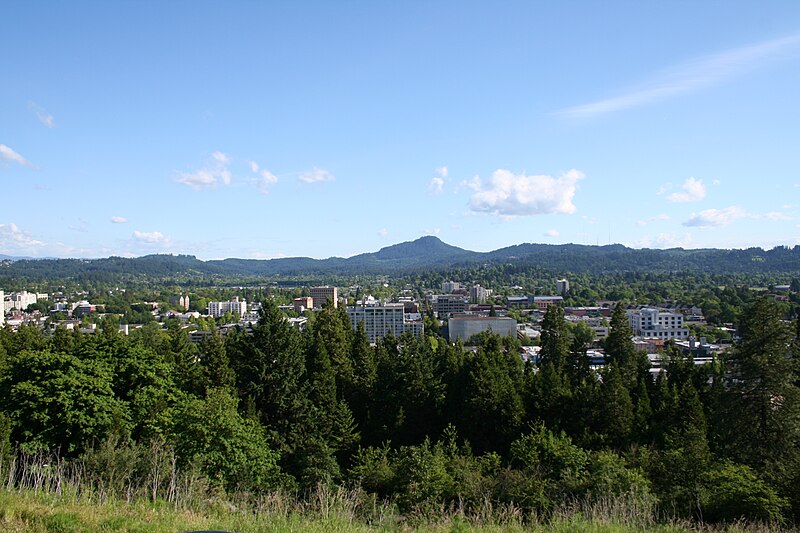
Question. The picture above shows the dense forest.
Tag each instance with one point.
(419, 421)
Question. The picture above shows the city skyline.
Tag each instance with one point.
(266, 130)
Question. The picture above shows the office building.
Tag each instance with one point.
(320, 295)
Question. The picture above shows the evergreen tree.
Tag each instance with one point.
(763, 415)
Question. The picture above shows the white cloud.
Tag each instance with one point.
(694, 190)
(656, 218)
(221, 157)
(253, 166)
(383, 232)
(266, 180)
(214, 173)
(508, 194)
(44, 117)
(10, 155)
(316, 175)
(551, 233)
(716, 182)
(119, 220)
(693, 75)
(151, 237)
(433, 231)
(14, 240)
(714, 218)
(436, 185)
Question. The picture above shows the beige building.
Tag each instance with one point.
(321, 295)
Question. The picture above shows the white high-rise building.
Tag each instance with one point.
(218, 309)
(380, 319)
(2, 307)
(478, 294)
(657, 324)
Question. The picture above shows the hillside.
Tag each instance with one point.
(426, 253)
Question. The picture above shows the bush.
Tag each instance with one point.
(734, 492)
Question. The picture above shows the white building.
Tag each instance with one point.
(450, 286)
(2, 307)
(236, 305)
(464, 327)
(651, 323)
(20, 300)
(381, 319)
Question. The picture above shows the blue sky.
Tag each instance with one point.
(272, 129)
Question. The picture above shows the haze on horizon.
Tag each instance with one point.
(262, 130)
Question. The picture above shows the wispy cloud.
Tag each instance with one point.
(15, 240)
(214, 173)
(656, 218)
(436, 185)
(693, 75)
(10, 155)
(715, 218)
(316, 175)
(508, 195)
(44, 117)
(265, 180)
(552, 233)
(119, 220)
(694, 190)
(383, 232)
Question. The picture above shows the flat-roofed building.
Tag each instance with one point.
(651, 323)
(381, 319)
(464, 327)
(322, 294)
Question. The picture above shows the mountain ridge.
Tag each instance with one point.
(424, 253)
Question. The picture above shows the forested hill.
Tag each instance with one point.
(426, 253)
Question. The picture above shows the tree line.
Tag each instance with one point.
(423, 422)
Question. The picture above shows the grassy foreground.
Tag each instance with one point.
(31, 511)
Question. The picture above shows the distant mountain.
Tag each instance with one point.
(423, 254)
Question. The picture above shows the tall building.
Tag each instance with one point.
(478, 294)
(562, 286)
(218, 309)
(657, 324)
(380, 319)
(323, 294)
(2, 307)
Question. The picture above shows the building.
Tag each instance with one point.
(447, 304)
(20, 300)
(650, 323)
(562, 286)
(543, 302)
(320, 295)
(450, 286)
(235, 305)
(381, 319)
(303, 303)
(2, 307)
(464, 327)
(83, 308)
(478, 294)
